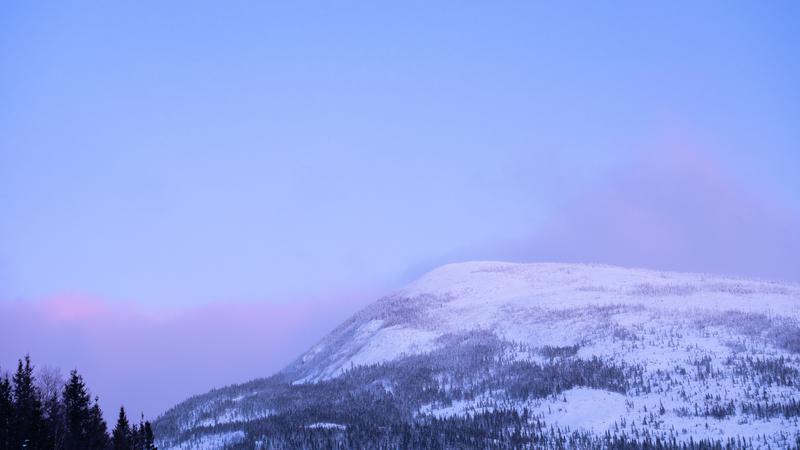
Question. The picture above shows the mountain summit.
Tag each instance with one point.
(492, 354)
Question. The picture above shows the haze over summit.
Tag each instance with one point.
(269, 169)
(673, 209)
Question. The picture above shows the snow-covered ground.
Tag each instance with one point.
(539, 304)
(209, 441)
(705, 346)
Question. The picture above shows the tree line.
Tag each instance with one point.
(47, 413)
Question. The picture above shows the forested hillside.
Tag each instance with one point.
(499, 355)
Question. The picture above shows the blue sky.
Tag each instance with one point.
(184, 153)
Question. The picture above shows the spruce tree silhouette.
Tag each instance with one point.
(121, 436)
(27, 426)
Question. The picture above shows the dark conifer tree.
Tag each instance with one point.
(43, 416)
(97, 431)
(76, 413)
(27, 425)
(121, 436)
(6, 413)
(136, 437)
(149, 439)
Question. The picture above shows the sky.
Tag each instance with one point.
(206, 189)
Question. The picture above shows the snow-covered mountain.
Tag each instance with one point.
(491, 354)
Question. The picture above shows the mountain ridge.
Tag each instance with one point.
(632, 340)
(480, 285)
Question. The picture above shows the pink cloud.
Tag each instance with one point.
(150, 360)
(71, 308)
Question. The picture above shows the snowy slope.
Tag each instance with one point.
(518, 303)
(706, 357)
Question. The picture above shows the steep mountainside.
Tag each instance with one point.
(490, 354)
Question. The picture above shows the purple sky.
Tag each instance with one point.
(192, 195)
(675, 208)
(150, 360)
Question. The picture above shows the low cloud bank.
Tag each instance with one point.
(675, 209)
(149, 361)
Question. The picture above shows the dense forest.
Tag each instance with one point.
(499, 429)
(383, 406)
(44, 412)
